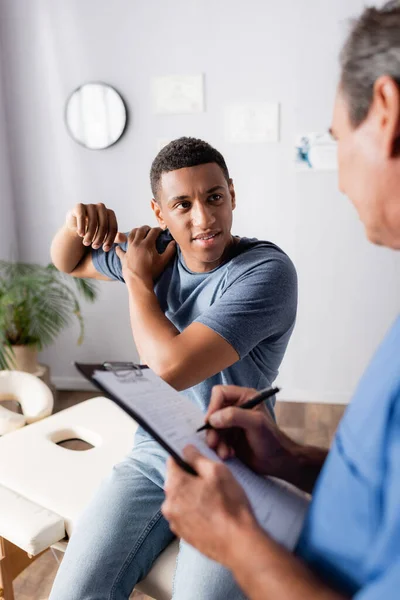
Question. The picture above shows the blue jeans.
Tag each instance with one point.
(121, 533)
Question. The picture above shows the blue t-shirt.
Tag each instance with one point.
(250, 300)
(352, 533)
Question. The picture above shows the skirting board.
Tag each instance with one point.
(287, 395)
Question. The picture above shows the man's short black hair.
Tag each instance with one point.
(181, 153)
(372, 50)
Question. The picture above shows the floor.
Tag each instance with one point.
(309, 423)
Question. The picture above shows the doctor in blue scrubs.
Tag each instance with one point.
(350, 543)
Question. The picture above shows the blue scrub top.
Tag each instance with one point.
(351, 536)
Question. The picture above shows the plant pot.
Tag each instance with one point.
(26, 359)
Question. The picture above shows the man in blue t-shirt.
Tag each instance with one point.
(350, 543)
(206, 308)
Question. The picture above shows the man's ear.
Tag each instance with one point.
(232, 193)
(387, 109)
(156, 208)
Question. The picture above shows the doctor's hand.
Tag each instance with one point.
(251, 435)
(210, 511)
(142, 260)
(96, 225)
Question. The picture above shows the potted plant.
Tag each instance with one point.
(36, 303)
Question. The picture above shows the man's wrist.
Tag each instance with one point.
(247, 541)
(72, 232)
(137, 284)
(302, 465)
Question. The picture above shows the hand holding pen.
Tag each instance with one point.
(252, 436)
(253, 402)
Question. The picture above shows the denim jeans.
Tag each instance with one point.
(121, 533)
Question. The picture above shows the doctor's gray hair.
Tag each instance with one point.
(371, 50)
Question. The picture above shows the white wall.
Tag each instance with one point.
(8, 240)
(253, 50)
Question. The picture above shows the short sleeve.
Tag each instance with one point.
(259, 304)
(108, 263)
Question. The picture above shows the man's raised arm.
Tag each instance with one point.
(86, 226)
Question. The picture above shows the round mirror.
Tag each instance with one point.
(95, 115)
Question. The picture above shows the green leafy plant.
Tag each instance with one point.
(36, 303)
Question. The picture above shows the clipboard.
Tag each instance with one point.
(127, 371)
(172, 421)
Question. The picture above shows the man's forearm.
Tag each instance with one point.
(152, 331)
(264, 570)
(67, 250)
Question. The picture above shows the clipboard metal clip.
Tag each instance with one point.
(125, 371)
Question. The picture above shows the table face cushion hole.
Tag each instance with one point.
(75, 444)
(12, 404)
(76, 438)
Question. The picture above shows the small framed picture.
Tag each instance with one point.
(315, 151)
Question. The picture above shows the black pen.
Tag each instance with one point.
(255, 401)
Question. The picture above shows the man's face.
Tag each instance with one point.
(196, 204)
(367, 172)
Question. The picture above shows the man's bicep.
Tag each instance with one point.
(86, 270)
(200, 354)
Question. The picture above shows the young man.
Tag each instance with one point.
(206, 308)
(350, 544)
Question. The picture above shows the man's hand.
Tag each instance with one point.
(86, 226)
(252, 435)
(212, 513)
(207, 511)
(95, 224)
(142, 259)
